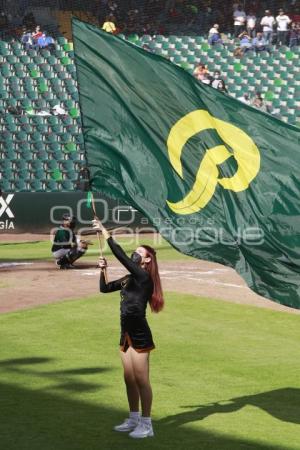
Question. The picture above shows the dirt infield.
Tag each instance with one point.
(29, 284)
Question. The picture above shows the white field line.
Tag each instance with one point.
(12, 264)
(186, 275)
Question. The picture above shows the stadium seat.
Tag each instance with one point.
(36, 185)
(19, 185)
(51, 185)
(67, 185)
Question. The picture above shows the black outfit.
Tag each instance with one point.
(136, 290)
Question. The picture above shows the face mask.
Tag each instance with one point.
(136, 258)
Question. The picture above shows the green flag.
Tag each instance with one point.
(219, 179)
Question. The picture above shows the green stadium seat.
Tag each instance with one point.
(38, 146)
(36, 165)
(26, 155)
(40, 154)
(11, 59)
(51, 185)
(62, 40)
(5, 164)
(75, 96)
(35, 136)
(22, 174)
(6, 173)
(71, 68)
(4, 51)
(51, 165)
(36, 185)
(5, 70)
(20, 164)
(26, 127)
(19, 185)
(32, 95)
(67, 185)
(67, 165)
(62, 75)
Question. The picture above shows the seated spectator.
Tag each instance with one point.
(26, 39)
(37, 33)
(245, 42)
(216, 79)
(200, 72)
(109, 25)
(46, 42)
(207, 78)
(244, 98)
(214, 37)
(221, 86)
(258, 102)
(259, 43)
(294, 38)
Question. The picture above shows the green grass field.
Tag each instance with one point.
(41, 250)
(224, 376)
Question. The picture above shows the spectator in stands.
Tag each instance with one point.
(27, 39)
(46, 42)
(109, 25)
(245, 42)
(258, 102)
(216, 79)
(267, 23)
(214, 36)
(259, 43)
(251, 24)
(207, 78)
(239, 20)
(283, 22)
(57, 110)
(294, 38)
(221, 87)
(37, 34)
(200, 72)
(244, 98)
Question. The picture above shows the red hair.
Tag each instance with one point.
(157, 300)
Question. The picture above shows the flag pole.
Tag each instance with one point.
(98, 234)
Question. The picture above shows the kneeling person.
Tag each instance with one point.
(66, 247)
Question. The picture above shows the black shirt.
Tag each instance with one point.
(136, 288)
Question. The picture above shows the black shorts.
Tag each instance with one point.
(136, 333)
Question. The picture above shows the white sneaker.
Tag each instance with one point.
(127, 425)
(142, 430)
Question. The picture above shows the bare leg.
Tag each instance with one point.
(133, 395)
(140, 364)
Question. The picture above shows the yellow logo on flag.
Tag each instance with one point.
(244, 149)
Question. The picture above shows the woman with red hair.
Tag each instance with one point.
(141, 286)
